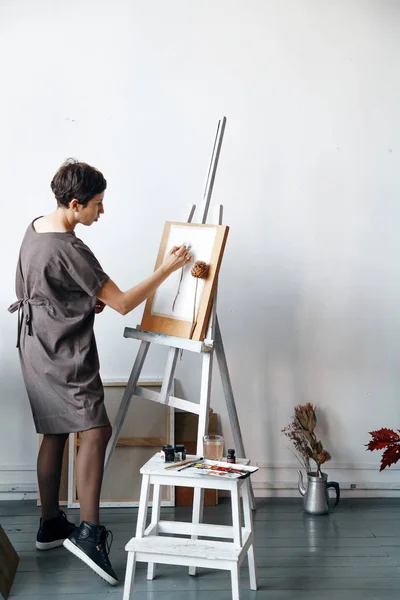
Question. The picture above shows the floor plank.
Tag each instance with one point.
(352, 554)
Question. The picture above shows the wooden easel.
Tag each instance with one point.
(212, 343)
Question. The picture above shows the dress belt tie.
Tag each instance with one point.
(24, 307)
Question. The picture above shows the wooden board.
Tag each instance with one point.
(152, 443)
(147, 427)
(180, 323)
(9, 560)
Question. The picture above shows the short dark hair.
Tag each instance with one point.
(78, 180)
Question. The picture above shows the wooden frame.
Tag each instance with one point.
(175, 326)
(68, 495)
(154, 443)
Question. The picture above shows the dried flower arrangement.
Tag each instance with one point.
(389, 441)
(301, 432)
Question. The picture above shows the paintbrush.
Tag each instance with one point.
(191, 464)
(184, 464)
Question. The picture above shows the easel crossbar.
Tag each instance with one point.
(168, 340)
(191, 407)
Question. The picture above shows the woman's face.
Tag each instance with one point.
(92, 211)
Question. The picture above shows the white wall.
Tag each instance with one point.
(309, 178)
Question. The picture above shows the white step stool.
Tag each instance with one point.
(148, 546)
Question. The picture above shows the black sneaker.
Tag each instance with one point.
(53, 532)
(90, 543)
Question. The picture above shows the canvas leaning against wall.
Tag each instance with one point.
(181, 305)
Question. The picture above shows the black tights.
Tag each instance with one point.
(89, 472)
(49, 473)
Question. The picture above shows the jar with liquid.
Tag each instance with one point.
(213, 447)
(231, 457)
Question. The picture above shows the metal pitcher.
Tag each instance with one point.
(316, 496)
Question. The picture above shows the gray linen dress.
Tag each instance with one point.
(57, 281)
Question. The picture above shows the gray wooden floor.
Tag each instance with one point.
(352, 554)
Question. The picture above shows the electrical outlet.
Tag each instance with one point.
(353, 486)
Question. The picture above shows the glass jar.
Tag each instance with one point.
(213, 447)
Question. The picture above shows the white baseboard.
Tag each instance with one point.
(18, 491)
(330, 466)
(268, 489)
(18, 468)
(18, 482)
(18, 496)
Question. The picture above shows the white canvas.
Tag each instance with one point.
(202, 241)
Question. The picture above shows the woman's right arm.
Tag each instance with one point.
(124, 302)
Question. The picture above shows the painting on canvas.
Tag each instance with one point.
(177, 304)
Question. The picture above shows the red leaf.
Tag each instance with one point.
(385, 435)
(372, 445)
(390, 456)
(382, 438)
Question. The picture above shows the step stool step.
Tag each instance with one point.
(211, 550)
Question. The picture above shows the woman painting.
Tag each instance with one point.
(60, 286)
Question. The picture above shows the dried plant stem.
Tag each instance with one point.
(178, 291)
(194, 320)
(303, 464)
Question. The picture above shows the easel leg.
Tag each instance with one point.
(168, 375)
(230, 400)
(126, 399)
(205, 391)
(155, 517)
